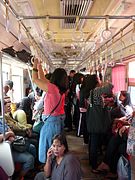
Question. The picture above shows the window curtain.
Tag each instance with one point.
(118, 78)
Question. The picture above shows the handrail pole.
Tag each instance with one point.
(31, 80)
(2, 117)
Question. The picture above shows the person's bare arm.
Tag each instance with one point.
(37, 74)
(123, 129)
(41, 73)
(8, 136)
(1, 137)
(47, 167)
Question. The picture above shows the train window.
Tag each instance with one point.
(5, 72)
(131, 89)
(131, 69)
(18, 91)
(5, 76)
(131, 81)
(17, 78)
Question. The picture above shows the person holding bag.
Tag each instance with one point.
(97, 117)
(25, 158)
(55, 97)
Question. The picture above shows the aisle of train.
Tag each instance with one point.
(80, 149)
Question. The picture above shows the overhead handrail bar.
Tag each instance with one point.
(86, 60)
(72, 17)
(63, 17)
(18, 17)
(128, 24)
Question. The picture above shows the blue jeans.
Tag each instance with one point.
(129, 172)
(52, 126)
(25, 158)
(32, 150)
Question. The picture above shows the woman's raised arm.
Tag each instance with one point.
(37, 76)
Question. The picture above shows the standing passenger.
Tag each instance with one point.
(55, 95)
(69, 101)
(98, 121)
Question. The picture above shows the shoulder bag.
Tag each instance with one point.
(97, 118)
(38, 124)
(19, 144)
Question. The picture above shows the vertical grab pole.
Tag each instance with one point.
(2, 96)
(31, 80)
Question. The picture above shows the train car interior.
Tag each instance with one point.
(85, 37)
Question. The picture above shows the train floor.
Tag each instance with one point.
(77, 146)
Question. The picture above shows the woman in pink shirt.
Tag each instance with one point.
(54, 99)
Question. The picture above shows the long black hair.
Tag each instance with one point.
(25, 105)
(60, 79)
(127, 100)
(90, 82)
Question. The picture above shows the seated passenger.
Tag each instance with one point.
(17, 127)
(25, 105)
(116, 147)
(25, 158)
(118, 143)
(21, 118)
(126, 111)
(60, 164)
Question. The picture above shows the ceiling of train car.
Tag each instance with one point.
(42, 29)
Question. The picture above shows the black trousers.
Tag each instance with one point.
(68, 118)
(116, 147)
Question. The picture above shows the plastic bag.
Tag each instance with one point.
(122, 168)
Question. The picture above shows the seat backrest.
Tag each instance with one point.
(6, 159)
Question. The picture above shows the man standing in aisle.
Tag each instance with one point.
(69, 101)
